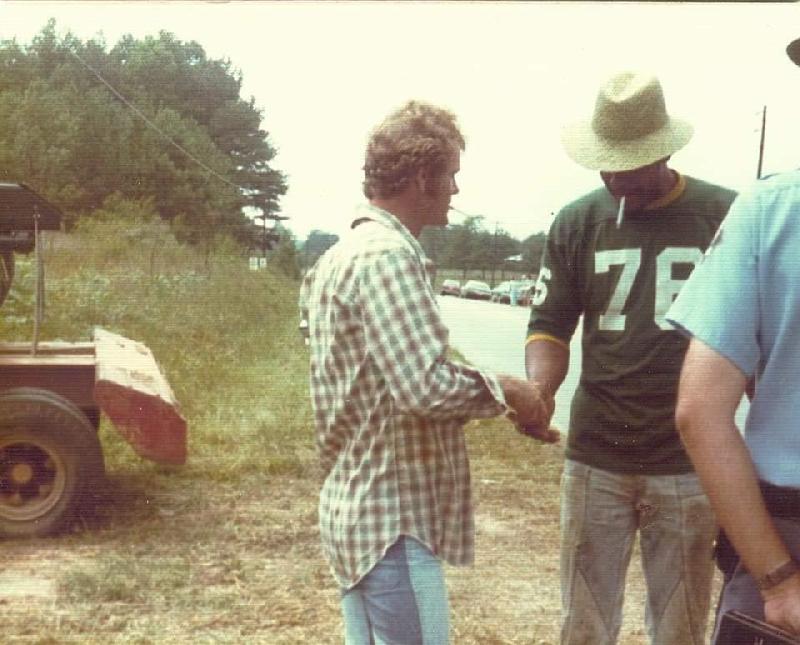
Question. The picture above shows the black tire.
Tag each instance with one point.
(6, 273)
(50, 462)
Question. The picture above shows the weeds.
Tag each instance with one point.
(175, 540)
(225, 549)
(115, 578)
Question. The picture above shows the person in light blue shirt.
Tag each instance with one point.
(741, 308)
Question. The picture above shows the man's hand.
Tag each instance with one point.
(782, 605)
(532, 408)
(548, 434)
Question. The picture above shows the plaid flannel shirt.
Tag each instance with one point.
(389, 406)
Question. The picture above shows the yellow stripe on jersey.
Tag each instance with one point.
(671, 196)
(547, 337)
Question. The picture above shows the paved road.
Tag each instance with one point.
(492, 336)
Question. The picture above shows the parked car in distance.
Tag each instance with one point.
(526, 289)
(476, 290)
(520, 289)
(502, 292)
(450, 288)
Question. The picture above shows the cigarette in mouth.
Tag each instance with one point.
(621, 211)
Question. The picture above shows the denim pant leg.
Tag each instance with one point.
(598, 525)
(677, 531)
(740, 592)
(403, 600)
(357, 628)
(428, 584)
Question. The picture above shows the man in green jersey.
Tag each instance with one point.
(618, 257)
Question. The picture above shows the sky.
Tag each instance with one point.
(325, 73)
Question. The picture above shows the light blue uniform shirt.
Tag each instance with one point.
(743, 301)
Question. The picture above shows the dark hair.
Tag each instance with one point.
(418, 136)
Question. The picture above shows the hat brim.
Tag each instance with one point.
(591, 151)
(793, 51)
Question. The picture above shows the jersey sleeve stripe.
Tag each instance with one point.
(546, 337)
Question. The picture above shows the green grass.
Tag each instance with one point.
(225, 337)
(226, 549)
(114, 578)
(176, 539)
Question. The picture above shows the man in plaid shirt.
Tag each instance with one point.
(389, 405)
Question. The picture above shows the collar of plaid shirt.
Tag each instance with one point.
(370, 213)
(389, 406)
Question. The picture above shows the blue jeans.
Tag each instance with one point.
(402, 600)
(601, 513)
(740, 591)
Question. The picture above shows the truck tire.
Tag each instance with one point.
(50, 462)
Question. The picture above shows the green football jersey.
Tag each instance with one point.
(622, 280)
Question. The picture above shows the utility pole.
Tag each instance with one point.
(494, 252)
(265, 242)
(761, 142)
(270, 236)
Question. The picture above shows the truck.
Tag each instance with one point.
(54, 393)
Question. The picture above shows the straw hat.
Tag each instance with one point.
(793, 49)
(630, 127)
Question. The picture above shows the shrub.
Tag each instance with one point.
(226, 340)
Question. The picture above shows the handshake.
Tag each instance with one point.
(531, 408)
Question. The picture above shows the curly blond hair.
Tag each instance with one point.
(418, 136)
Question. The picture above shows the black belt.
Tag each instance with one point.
(781, 501)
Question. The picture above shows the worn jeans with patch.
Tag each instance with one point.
(601, 512)
(401, 601)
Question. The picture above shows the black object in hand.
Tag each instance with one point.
(737, 628)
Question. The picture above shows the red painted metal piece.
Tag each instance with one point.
(131, 390)
(114, 373)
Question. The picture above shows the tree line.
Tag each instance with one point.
(153, 123)
(155, 128)
(468, 247)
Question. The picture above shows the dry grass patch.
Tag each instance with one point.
(243, 564)
(226, 548)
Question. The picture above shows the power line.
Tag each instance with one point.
(163, 134)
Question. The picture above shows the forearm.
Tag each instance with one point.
(710, 390)
(729, 478)
(546, 363)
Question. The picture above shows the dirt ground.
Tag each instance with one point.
(247, 568)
